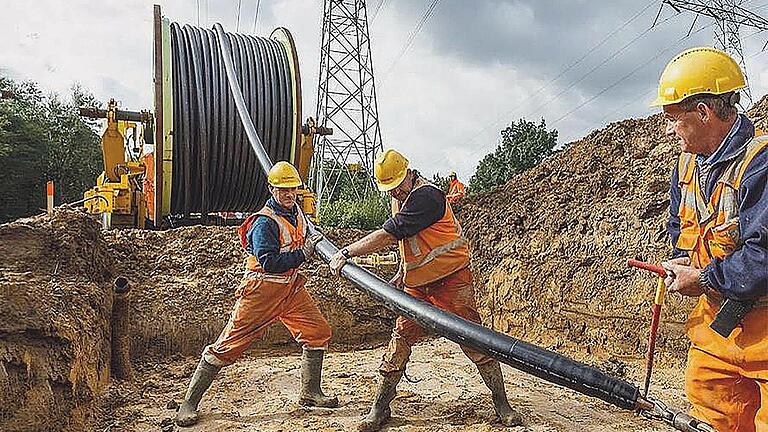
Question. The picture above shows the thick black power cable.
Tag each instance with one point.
(214, 166)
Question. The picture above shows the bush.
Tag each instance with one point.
(349, 212)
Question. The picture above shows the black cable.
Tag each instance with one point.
(214, 167)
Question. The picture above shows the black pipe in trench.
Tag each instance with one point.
(529, 358)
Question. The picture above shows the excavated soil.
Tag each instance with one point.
(550, 246)
(183, 282)
(55, 304)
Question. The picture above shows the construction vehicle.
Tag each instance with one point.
(118, 196)
(123, 193)
(306, 198)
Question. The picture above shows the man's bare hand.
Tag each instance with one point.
(682, 279)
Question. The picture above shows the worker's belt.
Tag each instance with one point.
(434, 253)
(717, 301)
(267, 277)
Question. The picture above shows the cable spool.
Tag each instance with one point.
(212, 165)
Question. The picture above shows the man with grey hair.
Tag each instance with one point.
(718, 224)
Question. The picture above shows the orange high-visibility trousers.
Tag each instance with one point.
(259, 305)
(453, 293)
(726, 380)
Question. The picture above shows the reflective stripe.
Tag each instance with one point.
(414, 245)
(286, 240)
(267, 277)
(288, 243)
(710, 228)
(436, 252)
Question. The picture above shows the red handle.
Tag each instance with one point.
(659, 270)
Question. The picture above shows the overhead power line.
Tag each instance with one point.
(411, 37)
(626, 76)
(573, 64)
(729, 16)
(610, 57)
(378, 10)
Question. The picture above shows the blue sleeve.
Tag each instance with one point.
(673, 224)
(743, 275)
(264, 244)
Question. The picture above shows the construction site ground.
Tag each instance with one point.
(259, 393)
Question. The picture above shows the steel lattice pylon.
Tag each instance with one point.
(346, 102)
(729, 15)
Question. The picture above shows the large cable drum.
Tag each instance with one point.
(207, 163)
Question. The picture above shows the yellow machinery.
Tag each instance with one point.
(303, 158)
(118, 195)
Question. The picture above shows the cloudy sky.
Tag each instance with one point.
(472, 67)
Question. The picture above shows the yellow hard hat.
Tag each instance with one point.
(452, 174)
(696, 71)
(284, 175)
(390, 169)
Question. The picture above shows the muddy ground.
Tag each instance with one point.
(259, 393)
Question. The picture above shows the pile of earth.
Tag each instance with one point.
(55, 306)
(550, 246)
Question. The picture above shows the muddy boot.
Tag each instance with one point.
(380, 411)
(201, 380)
(491, 373)
(311, 369)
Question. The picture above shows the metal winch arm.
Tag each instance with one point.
(521, 355)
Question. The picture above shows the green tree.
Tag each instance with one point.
(523, 145)
(440, 181)
(42, 138)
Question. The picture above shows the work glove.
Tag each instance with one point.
(337, 262)
(309, 245)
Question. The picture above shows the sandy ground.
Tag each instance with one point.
(259, 394)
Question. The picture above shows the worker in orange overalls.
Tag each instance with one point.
(272, 289)
(456, 189)
(719, 229)
(434, 268)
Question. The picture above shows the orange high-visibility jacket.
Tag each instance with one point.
(456, 191)
(434, 252)
(291, 239)
(710, 230)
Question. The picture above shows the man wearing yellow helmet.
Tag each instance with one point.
(272, 289)
(434, 268)
(718, 225)
(456, 189)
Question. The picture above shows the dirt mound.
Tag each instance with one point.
(550, 246)
(183, 283)
(54, 322)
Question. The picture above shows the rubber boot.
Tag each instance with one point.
(201, 380)
(311, 369)
(491, 374)
(380, 411)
